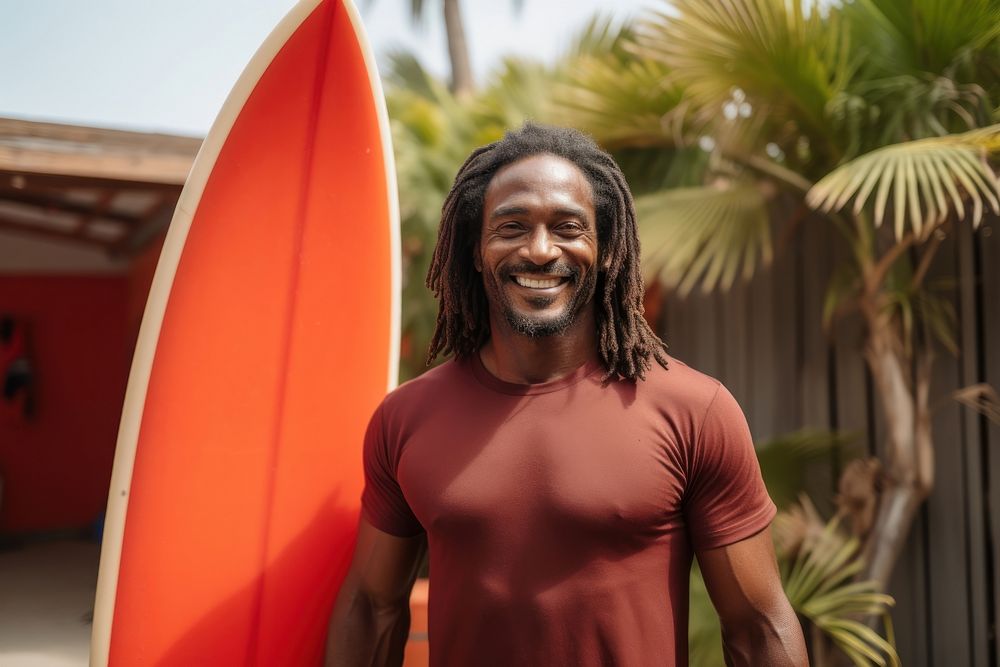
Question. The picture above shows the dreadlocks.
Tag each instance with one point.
(625, 341)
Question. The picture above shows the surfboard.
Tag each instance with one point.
(269, 336)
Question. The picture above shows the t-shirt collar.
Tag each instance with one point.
(493, 382)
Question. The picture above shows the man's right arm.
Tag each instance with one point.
(371, 618)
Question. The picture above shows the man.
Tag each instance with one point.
(563, 469)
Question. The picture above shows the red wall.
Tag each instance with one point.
(140, 277)
(56, 467)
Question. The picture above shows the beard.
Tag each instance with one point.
(536, 326)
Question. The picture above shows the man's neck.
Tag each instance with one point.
(520, 359)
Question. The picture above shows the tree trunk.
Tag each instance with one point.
(458, 51)
(909, 454)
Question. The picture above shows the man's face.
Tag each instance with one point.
(538, 248)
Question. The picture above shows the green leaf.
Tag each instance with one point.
(889, 109)
(621, 103)
(930, 167)
(786, 63)
(785, 459)
(602, 36)
(925, 35)
(707, 235)
(820, 585)
(844, 285)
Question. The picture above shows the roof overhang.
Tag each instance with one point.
(113, 189)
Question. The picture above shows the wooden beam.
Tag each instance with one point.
(40, 201)
(34, 181)
(7, 224)
(51, 148)
(100, 209)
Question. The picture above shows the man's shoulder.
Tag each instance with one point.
(430, 386)
(679, 386)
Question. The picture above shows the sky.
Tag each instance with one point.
(167, 65)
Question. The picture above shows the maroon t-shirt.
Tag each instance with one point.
(562, 517)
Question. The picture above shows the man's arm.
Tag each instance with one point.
(371, 618)
(759, 626)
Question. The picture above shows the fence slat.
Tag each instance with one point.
(947, 600)
(988, 240)
(970, 351)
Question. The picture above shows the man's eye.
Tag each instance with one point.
(510, 228)
(570, 228)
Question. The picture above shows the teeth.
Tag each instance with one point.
(537, 284)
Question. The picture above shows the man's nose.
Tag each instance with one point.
(540, 248)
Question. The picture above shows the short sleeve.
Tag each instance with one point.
(725, 500)
(382, 501)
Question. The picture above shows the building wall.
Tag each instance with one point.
(56, 466)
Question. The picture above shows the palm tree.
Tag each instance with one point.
(462, 80)
(874, 117)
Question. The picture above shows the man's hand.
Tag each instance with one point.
(759, 626)
(371, 619)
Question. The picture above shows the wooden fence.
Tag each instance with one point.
(765, 341)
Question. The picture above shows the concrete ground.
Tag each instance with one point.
(46, 603)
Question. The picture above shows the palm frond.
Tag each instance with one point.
(785, 459)
(818, 581)
(939, 315)
(928, 179)
(928, 306)
(786, 61)
(818, 565)
(844, 285)
(982, 398)
(876, 112)
(654, 169)
(516, 90)
(915, 36)
(708, 235)
(621, 103)
(602, 36)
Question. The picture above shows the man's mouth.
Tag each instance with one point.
(539, 283)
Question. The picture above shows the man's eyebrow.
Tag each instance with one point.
(571, 212)
(565, 211)
(505, 211)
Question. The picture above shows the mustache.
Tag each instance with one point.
(553, 268)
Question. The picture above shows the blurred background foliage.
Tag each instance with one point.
(735, 122)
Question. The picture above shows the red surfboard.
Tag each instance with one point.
(270, 335)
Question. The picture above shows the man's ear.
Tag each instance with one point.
(477, 261)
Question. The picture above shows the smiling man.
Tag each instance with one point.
(562, 469)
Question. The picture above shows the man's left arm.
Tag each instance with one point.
(759, 626)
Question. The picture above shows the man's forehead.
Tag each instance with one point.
(540, 172)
